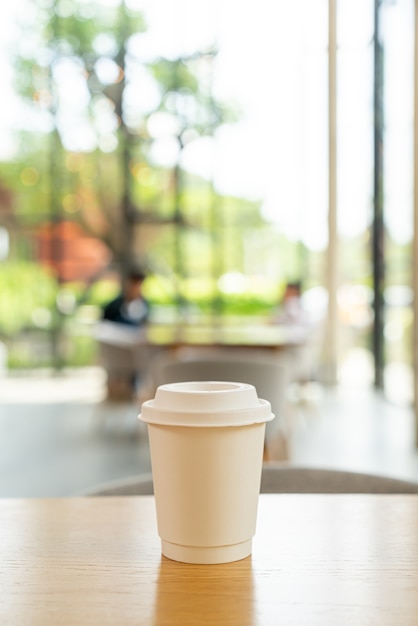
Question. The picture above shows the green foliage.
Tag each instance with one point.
(25, 289)
(101, 292)
(80, 350)
(159, 290)
(174, 74)
(247, 304)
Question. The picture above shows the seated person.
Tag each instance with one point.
(291, 308)
(129, 307)
(123, 363)
(306, 354)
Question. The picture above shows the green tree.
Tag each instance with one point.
(100, 147)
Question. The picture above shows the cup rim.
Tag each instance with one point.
(227, 404)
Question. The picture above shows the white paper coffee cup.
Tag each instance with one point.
(206, 443)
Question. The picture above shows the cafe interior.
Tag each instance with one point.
(266, 192)
(208, 312)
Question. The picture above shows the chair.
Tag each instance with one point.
(270, 377)
(282, 478)
(140, 485)
(124, 354)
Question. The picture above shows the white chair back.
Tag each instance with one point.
(285, 478)
(269, 376)
(280, 478)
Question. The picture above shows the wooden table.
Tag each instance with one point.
(323, 560)
(272, 336)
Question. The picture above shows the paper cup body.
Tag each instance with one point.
(206, 475)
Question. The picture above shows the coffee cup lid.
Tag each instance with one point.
(206, 403)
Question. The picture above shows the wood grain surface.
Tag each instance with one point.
(317, 559)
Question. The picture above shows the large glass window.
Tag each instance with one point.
(398, 34)
(192, 138)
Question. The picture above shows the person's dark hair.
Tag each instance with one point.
(295, 284)
(136, 275)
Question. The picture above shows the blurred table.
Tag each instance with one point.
(317, 560)
(177, 335)
(274, 336)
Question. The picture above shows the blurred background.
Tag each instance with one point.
(193, 139)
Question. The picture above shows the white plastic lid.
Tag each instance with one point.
(206, 403)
